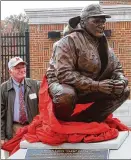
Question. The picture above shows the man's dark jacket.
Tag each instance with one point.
(7, 104)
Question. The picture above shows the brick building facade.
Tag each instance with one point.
(113, 2)
(46, 20)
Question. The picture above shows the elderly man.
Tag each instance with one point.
(84, 69)
(19, 99)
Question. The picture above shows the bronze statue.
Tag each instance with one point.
(83, 68)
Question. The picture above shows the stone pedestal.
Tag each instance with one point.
(124, 151)
(110, 144)
(4, 154)
(119, 147)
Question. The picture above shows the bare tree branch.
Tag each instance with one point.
(16, 23)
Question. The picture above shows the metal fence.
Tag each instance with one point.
(14, 44)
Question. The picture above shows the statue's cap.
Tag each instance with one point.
(92, 10)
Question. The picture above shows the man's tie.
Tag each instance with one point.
(23, 117)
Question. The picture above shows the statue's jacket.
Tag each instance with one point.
(76, 61)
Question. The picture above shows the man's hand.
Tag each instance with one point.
(2, 142)
(106, 86)
(118, 87)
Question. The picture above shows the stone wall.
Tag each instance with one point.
(123, 113)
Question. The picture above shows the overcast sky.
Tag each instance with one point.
(16, 7)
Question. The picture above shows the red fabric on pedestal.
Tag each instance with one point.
(47, 129)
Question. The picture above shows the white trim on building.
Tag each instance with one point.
(62, 15)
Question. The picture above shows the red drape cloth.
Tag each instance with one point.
(46, 128)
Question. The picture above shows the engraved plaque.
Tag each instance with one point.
(68, 154)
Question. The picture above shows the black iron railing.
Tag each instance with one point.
(14, 44)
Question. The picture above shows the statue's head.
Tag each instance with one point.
(92, 18)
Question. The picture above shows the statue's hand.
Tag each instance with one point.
(106, 86)
(118, 87)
